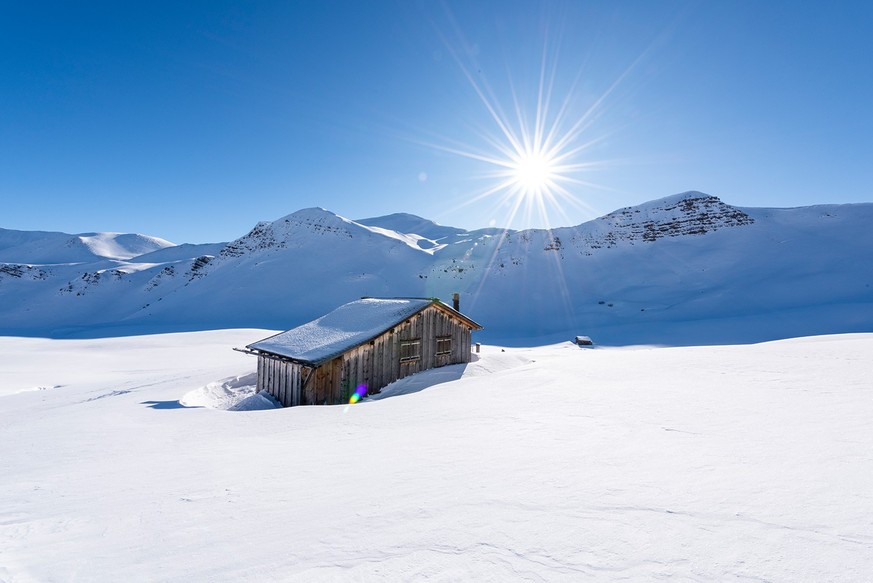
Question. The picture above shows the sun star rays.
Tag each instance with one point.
(535, 154)
(536, 150)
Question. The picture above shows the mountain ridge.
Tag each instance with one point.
(45, 247)
(639, 274)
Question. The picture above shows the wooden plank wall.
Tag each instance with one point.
(374, 364)
(280, 378)
(324, 387)
(378, 363)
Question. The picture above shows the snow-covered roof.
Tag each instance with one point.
(342, 329)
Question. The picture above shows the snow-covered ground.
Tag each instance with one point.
(120, 462)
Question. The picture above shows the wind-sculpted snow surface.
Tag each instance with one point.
(685, 269)
(728, 463)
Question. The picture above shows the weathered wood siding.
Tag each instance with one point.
(374, 364)
(283, 380)
(377, 363)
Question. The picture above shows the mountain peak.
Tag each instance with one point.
(683, 196)
(308, 213)
(686, 213)
(291, 230)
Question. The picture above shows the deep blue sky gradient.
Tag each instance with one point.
(194, 120)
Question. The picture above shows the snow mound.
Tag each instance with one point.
(492, 359)
(421, 381)
(257, 402)
(226, 394)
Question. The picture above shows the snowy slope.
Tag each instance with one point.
(292, 270)
(426, 233)
(42, 247)
(665, 274)
(730, 463)
(685, 269)
(411, 224)
(179, 253)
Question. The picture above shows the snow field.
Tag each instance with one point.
(544, 464)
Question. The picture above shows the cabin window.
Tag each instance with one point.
(444, 345)
(410, 350)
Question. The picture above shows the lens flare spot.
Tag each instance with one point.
(360, 392)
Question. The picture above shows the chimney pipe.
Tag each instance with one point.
(456, 301)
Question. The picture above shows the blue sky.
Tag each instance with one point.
(194, 120)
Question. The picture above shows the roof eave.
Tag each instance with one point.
(301, 361)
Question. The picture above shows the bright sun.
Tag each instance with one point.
(535, 156)
(533, 173)
(539, 145)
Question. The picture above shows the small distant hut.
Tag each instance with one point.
(361, 347)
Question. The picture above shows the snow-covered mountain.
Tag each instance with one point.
(683, 269)
(54, 247)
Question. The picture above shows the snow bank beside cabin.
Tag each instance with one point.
(236, 393)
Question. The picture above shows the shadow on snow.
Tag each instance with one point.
(168, 405)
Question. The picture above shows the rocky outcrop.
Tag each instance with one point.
(691, 213)
(261, 237)
(687, 214)
(16, 271)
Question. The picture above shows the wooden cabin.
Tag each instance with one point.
(361, 347)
